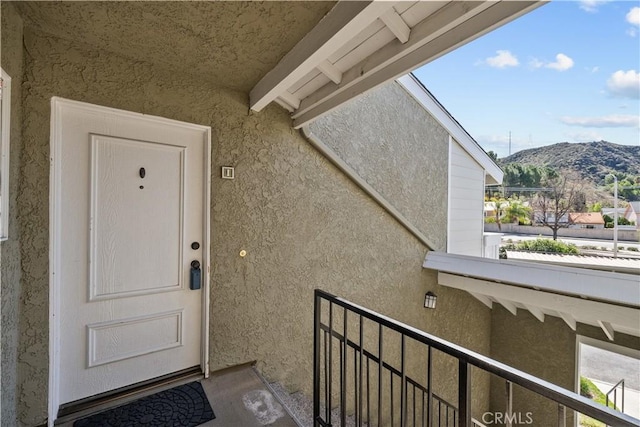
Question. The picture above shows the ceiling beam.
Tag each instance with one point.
(290, 99)
(607, 329)
(621, 318)
(396, 25)
(453, 25)
(508, 305)
(568, 319)
(483, 299)
(331, 71)
(537, 313)
(343, 22)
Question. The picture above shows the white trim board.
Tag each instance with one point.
(620, 288)
(55, 238)
(5, 150)
(411, 84)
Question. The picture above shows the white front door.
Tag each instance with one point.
(130, 215)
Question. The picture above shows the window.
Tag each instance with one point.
(5, 123)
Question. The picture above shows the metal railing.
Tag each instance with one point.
(614, 390)
(367, 378)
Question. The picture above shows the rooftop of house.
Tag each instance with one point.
(586, 218)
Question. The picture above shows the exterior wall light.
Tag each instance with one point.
(430, 300)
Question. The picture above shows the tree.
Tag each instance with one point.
(500, 205)
(517, 211)
(552, 205)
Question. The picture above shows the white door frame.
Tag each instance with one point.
(55, 237)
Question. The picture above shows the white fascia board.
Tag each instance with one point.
(599, 285)
(443, 32)
(343, 22)
(571, 309)
(411, 84)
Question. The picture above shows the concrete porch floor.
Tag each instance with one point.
(240, 397)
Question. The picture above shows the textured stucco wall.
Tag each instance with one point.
(12, 63)
(303, 224)
(398, 149)
(546, 350)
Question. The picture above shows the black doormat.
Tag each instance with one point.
(186, 405)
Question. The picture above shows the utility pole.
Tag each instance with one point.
(509, 142)
(615, 215)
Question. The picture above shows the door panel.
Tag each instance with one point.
(130, 200)
(137, 232)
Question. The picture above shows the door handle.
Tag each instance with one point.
(195, 276)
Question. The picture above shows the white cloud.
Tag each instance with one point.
(611, 121)
(591, 6)
(632, 32)
(563, 63)
(595, 69)
(625, 84)
(585, 136)
(633, 17)
(536, 63)
(503, 59)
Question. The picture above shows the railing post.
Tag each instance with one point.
(562, 419)
(464, 394)
(403, 387)
(343, 372)
(429, 390)
(380, 363)
(509, 390)
(316, 356)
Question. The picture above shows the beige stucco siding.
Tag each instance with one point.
(303, 224)
(399, 149)
(12, 60)
(546, 350)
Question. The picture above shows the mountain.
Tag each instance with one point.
(591, 160)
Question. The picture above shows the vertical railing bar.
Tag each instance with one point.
(356, 378)
(439, 414)
(429, 391)
(464, 394)
(380, 362)
(622, 405)
(403, 381)
(509, 391)
(326, 374)
(422, 418)
(391, 387)
(414, 407)
(330, 362)
(447, 415)
(368, 394)
(343, 373)
(561, 416)
(316, 357)
(360, 376)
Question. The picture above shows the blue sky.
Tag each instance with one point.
(567, 71)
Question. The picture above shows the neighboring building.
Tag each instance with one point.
(539, 218)
(160, 200)
(632, 213)
(611, 212)
(586, 220)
